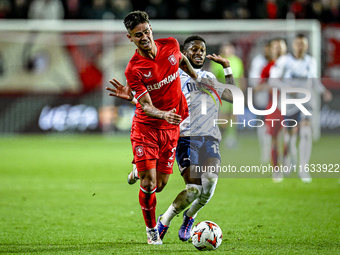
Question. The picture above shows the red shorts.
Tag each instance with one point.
(273, 122)
(151, 143)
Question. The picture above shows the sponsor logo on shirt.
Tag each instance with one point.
(172, 60)
(147, 76)
(163, 82)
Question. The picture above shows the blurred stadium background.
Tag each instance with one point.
(55, 65)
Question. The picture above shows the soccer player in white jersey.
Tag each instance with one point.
(298, 70)
(199, 138)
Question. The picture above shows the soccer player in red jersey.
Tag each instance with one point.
(277, 48)
(153, 75)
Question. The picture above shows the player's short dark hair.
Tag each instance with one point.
(135, 18)
(190, 39)
(302, 36)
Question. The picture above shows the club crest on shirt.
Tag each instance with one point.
(172, 60)
(139, 151)
(147, 76)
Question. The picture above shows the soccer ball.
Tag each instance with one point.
(206, 235)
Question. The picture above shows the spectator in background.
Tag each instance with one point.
(72, 9)
(315, 10)
(227, 50)
(235, 10)
(120, 8)
(299, 9)
(272, 9)
(19, 9)
(184, 9)
(210, 9)
(330, 11)
(46, 9)
(5, 9)
(97, 9)
(157, 9)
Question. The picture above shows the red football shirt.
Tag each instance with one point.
(160, 78)
(266, 71)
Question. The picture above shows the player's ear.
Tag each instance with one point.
(184, 53)
(129, 36)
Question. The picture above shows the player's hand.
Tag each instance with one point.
(123, 92)
(327, 96)
(218, 59)
(172, 118)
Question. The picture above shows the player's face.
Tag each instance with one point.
(300, 47)
(278, 48)
(196, 53)
(142, 37)
(275, 49)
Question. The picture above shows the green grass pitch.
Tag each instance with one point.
(69, 195)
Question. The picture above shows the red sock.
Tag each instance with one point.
(147, 200)
(274, 156)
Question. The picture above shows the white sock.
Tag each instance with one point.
(305, 146)
(168, 215)
(183, 199)
(195, 207)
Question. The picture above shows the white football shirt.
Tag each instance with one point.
(198, 124)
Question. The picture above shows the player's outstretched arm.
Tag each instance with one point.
(229, 78)
(150, 110)
(123, 92)
(185, 65)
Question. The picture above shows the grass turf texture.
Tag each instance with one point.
(69, 195)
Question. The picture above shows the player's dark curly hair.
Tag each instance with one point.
(190, 39)
(135, 18)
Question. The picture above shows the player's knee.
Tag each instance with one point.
(161, 183)
(209, 181)
(160, 187)
(147, 184)
(209, 177)
(193, 191)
